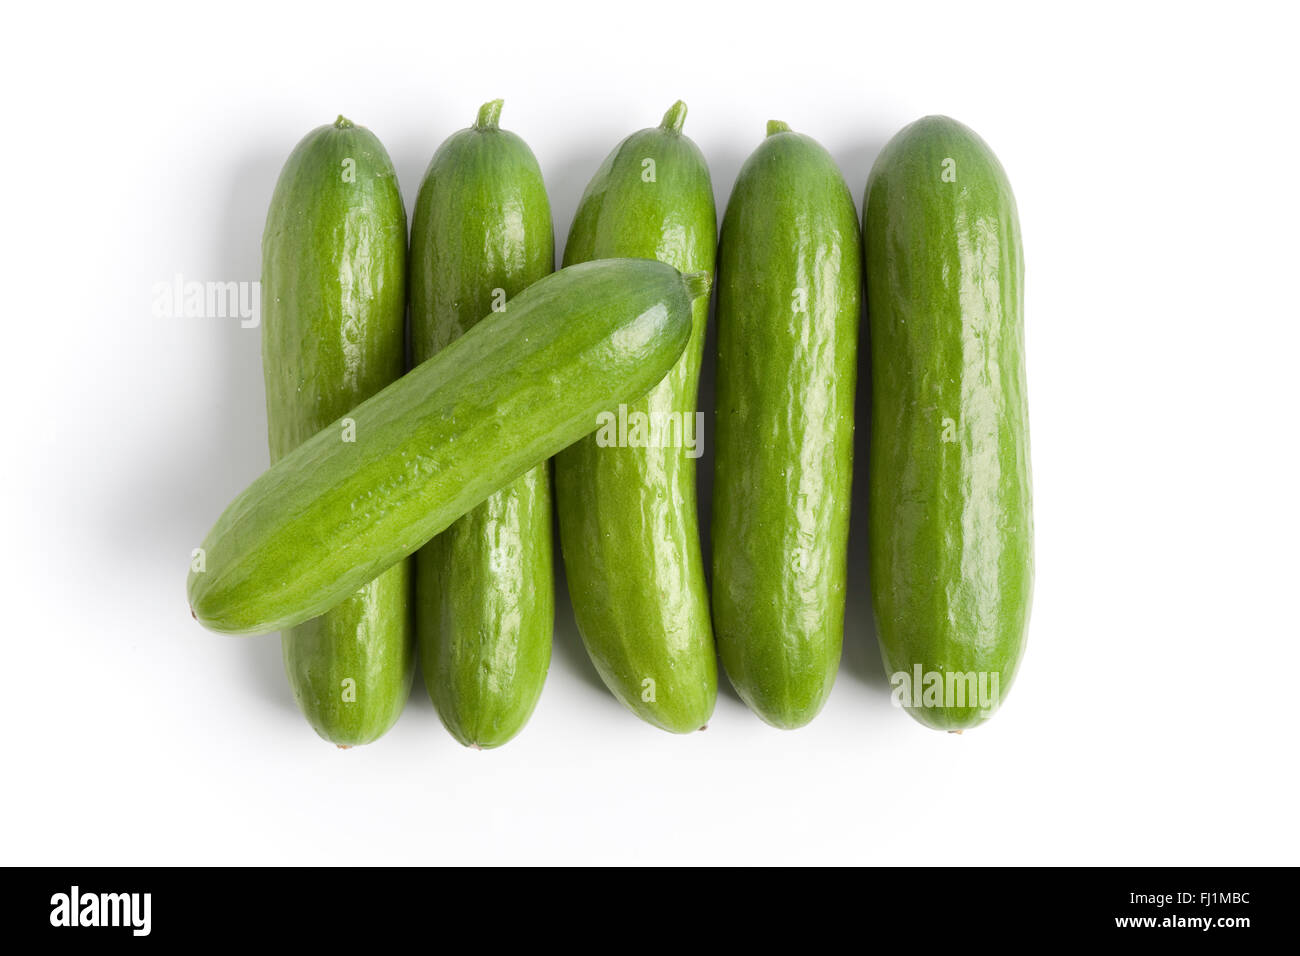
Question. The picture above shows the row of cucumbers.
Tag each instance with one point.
(414, 507)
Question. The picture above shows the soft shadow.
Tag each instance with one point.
(219, 442)
(567, 176)
(724, 164)
(704, 469)
(861, 659)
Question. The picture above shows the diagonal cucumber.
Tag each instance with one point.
(368, 490)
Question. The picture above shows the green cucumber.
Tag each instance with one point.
(333, 310)
(950, 515)
(628, 522)
(485, 589)
(368, 490)
(789, 302)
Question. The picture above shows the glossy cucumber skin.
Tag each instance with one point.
(629, 525)
(485, 588)
(508, 394)
(950, 516)
(333, 334)
(785, 388)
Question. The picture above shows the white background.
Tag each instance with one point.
(1153, 151)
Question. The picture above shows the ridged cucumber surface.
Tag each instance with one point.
(485, 589)
(333, 311)
(626, 495)
(789, 302)
(369, 489)
(950, 515)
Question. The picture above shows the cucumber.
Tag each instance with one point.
(485, 589)
(628, 523)
(789, 302)
(333, 309)
(368, 490)
(950, 514)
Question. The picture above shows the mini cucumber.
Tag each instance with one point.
(333, 310)
(368, 490)
(950, 515)
(628, 521)
(789, 300)
(485, 590)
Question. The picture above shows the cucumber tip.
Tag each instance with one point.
(674, 118)
(489, 115)
(697, 284)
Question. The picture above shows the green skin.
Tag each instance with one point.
(505, 396)
(789, 302)
(485, 588)
(333, 286)
(628, 518)
(951, 521)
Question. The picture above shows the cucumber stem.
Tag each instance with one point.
(697, 284)
(674, 118)
(489, 115)
(342, 122)
(777, 126)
